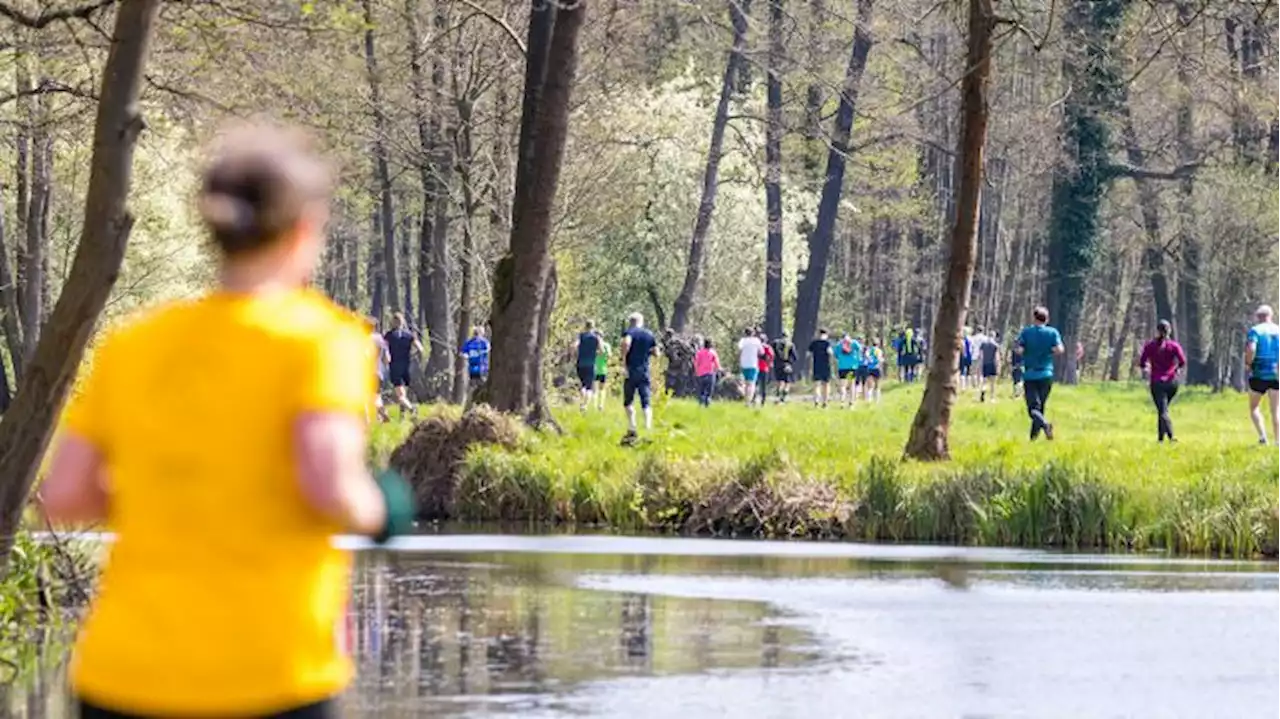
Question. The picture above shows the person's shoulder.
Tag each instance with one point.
(145, 329)
(308, 319)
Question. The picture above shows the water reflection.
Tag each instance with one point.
(435, 637)
(520, 630)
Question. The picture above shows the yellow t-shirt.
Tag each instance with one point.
(223, 593)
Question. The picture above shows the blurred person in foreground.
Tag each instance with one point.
(222, 594)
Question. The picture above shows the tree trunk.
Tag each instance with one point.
(27, 427)
(1149, 202)
(711, 174)
(9, 304)
(351, 256)
(809, 289)
(22, 168)
(773, 175)
(375, 269)
(31, 275)
(466, 260)
(521, 280)
(1080, 177)
(928, 440)
(404, 261)
(426, 151)
(539, 415)
(1191, 321)
(381, 173)
(1121, 339)
(433, 168)
(814, 96)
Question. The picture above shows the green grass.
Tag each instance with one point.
(796, 470)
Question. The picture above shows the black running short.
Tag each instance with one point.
(636, 384)
(966, 366)
(600, 378)
(845, 373)
(399, 375)
(587, 376)
(989, 370)
(1263, 386)
(784, 373)
(821, 374)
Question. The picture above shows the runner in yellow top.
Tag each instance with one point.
(223, 593)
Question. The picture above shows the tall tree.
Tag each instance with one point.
(932, 424)
(9, 302)
(1200, 368)
(1081, 174)
(711, 173)
(1149, 204)
(27, 427)
(809, 290)
(433, 159)
(381, 172)
(773, 174)
(523, 277)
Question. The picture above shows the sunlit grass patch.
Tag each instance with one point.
(799, 471)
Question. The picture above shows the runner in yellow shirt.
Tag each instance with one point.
(223, 442)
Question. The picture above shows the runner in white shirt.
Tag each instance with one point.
(749, 348)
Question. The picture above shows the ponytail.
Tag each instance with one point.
(1163, 328)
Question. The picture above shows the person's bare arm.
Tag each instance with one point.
(1250, 349)
(1059, 349)
(74, 490)
(329, 450)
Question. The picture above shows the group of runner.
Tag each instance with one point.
(396, 349)
(858, 365)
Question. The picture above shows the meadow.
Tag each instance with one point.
(799, 471)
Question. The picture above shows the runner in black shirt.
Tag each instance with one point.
(401, 344)
(820, 348)
(638, 345)
(784, 365)
(587, 345)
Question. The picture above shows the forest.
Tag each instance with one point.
(714, 164)
(789, 163)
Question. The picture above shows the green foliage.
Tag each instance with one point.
(796, 470)
(42, 584)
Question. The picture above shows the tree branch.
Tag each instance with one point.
(48, 17)
(1119, 169)
(46, 87)
(500, 22)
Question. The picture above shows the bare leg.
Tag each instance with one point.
(1273, 399)
(402, 399)
(1255, 414)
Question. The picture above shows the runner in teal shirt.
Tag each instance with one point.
(848, 356)
(1262, 354)
(1039, 343)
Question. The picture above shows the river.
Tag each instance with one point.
(574, 626)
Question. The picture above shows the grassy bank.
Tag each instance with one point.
(797, 471)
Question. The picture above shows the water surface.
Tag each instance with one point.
(495, 625)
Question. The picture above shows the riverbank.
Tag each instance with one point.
(799, 471)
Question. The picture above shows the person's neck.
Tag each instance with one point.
(249, 277)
